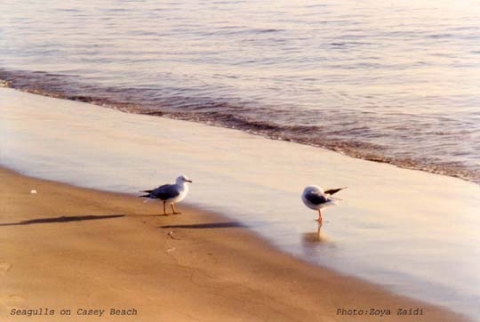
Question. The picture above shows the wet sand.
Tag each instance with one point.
(72, 250)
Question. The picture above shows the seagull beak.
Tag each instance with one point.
(189, 181)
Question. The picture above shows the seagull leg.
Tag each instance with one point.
(319, 229)
(320, 218)
(164, 210)
(174, 210)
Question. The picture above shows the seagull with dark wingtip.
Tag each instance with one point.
(171, 193)
(315, 198)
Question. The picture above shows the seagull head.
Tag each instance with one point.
(313, 188)
(182, 179)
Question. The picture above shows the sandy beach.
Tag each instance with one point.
(78, 252)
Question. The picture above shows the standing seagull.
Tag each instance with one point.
(315, 198)
(170, 193)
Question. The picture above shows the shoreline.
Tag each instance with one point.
(74, 248)
(463, 174)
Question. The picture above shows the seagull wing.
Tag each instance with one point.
(167, 191)
(316, 198)
(333, 191)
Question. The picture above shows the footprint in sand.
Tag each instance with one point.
(4, 268)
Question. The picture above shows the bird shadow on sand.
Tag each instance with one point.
(62, 219)
(228, 224)
(150, 215)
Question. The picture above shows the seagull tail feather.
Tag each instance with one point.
(334, 201)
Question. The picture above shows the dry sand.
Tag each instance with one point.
(71, 249)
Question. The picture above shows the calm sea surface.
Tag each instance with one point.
(390, 81)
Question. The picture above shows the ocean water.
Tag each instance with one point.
(389, 81)
(412, 232)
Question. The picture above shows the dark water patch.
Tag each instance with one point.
(266, 30)
(337, 130)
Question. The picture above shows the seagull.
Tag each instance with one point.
(315, 198)
(171, 193)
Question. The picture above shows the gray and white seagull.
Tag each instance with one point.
(171, 193)
(315, 198)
